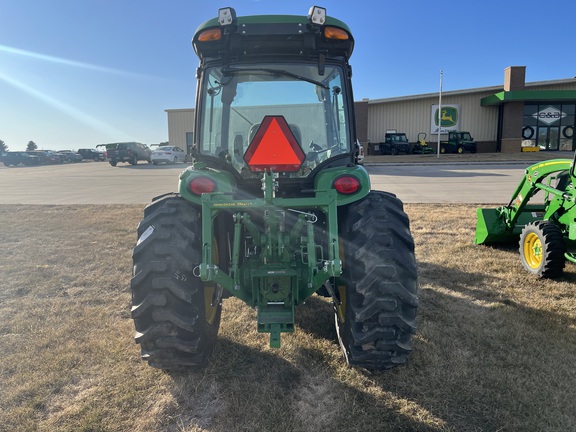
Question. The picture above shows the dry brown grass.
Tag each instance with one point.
(495, 348)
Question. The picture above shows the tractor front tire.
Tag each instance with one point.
(542, 249)
(175, 315)
(376, 317)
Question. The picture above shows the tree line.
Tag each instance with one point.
(30, 147)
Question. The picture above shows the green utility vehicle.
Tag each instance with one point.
(546, 227)
(275, 207)
(394, 143)
(458, 142)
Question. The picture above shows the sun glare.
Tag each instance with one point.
(70, 110)
(63, 61)
(55, 102)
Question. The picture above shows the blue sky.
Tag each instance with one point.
(76, 73)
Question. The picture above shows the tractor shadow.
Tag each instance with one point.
(249, 389)
(316, 317)
(480, 359)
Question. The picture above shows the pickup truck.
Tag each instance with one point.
(458, 142)
(394, 143)
(131, 152)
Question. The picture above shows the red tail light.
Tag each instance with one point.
(346, 185)
(200, 185)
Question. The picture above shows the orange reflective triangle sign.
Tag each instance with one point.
(274, 147)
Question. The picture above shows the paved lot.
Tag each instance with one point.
(449, 183)
(100, 183)
(87, 183)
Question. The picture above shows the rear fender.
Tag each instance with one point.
(325, 182)
(223, 180)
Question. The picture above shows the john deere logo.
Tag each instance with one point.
(549, 115)
(448, 116)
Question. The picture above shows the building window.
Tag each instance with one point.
(549, 126)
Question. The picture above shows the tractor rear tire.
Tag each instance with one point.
(175, 316)
(542, 249)
(379, 297)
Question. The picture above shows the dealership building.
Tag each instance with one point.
(507, 118)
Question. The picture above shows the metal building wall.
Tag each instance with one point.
(413, 115)
(180, 121)
(560, 86)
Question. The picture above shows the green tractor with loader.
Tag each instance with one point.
(275, 207)
(546, 226)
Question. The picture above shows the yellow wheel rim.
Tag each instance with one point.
(533, 250)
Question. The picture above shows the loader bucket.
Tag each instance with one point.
(490, 228)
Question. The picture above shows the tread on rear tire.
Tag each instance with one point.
(379, 294)
(175, 327)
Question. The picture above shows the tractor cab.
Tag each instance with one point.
(281, 83)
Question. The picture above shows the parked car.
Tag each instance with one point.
(168, 154)
(93, 154)
(46, 157)
(70, 156)
(130, 152)
(15, 158)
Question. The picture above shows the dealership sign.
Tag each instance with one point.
(445, 118)
(549, 115)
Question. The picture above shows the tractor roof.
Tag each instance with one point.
(273, 35)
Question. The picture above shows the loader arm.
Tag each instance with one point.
(537, 177)
(505, 223)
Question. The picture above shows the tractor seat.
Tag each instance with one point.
(293, 127)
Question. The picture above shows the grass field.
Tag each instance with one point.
(495, 348)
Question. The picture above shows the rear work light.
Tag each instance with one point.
(346, 185)
(226, 16)
(200, 185)
(317, 15)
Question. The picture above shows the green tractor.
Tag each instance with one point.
(546, 227)
(275, 207)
